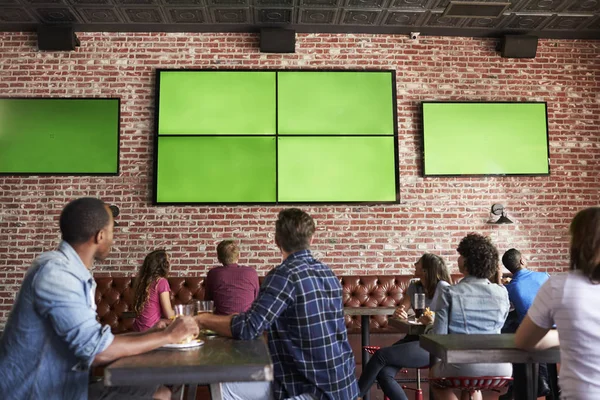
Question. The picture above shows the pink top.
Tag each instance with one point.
(151, 313)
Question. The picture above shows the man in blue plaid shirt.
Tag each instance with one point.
(300, 306)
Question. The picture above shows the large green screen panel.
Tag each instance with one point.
(59, 136)
(216, 103)
(336, 169)
(485, 139)
(215, 169)
(335, 103)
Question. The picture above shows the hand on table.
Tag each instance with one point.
(182, 328)
(425, 319)
(400, 313)
(162, 324)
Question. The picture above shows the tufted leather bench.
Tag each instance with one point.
(114, 299)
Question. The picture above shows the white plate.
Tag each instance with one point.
(177, 346)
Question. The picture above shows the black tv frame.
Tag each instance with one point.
(422, 138)
(156, 136)
(118, 166)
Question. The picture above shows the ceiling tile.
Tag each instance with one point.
(15, 15)
(318, 16)
(274, 15)
(147, 15)
(56, 15)
(187, 15)
(99, 15)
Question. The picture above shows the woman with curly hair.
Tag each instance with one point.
(475, 305)
(572, 302)
(152, 296)
(406, 353)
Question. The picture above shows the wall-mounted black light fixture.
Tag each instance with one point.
(115, 212)
(498, 209)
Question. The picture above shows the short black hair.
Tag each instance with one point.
(512, 260)
(480, 254)
(293, 230)
(81, 219)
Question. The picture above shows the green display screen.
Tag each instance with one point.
(327, 169)
(210, 169)
(485, 138)
(247, 137)
(335, 103)
(59, 136)
(209, 102)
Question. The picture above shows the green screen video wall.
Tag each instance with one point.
(275, 137)
(495, 138)
(59, 136)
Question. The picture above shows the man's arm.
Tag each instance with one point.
(62, 298)
(129, 345)
(218, 323)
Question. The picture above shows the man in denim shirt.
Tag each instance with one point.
(52, 337)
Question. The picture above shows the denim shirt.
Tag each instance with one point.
(52, 335)
(472, 306)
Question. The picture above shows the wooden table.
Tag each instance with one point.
(406, 326)
(365, 313)
(458, 349)
(218, 360)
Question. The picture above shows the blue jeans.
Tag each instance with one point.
(385, 364)
(253, 391)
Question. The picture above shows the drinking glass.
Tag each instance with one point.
(419, 304)
(183, 309)
(204, 306)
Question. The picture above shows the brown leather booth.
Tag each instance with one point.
(114, 299)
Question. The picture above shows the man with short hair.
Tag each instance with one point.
(524, 284)
(522, 290)
(232, 287)
(52, 337)
(300, 306)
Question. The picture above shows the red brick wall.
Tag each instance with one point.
(434, 214)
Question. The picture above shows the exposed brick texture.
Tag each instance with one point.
(434, 214)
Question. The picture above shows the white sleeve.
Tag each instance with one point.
(542, 310)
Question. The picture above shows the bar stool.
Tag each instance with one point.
(472, 384)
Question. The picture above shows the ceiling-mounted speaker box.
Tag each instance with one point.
(277, 40)
(519, 46)
(56, 38)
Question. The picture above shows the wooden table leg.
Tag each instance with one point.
(365, 340)
(215, 391)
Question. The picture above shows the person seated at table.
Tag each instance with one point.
(406, 353)
(522, 289)
(152, 295)
(232, 287)
(52, 336)
(300, 305)
(475, 305)
(572, 302)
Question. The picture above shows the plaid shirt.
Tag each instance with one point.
(300, 305)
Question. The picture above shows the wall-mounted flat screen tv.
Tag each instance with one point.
(485, 138)
(72, 136)
(268, 137)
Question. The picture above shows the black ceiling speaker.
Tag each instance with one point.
(56, 38)
(274, 40)
(519, 46)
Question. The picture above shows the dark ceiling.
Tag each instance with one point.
(542, 18)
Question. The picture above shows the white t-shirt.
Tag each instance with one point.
(572, 302)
